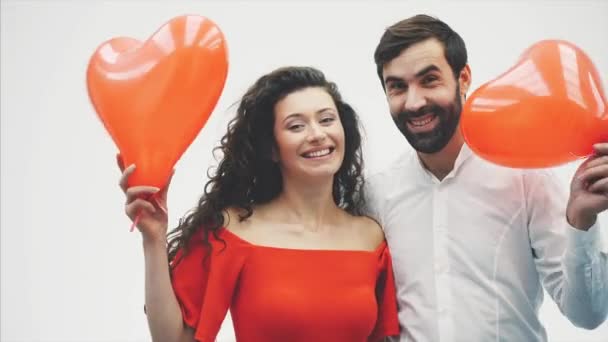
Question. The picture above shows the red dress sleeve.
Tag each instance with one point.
(387, 323)
(204, 283)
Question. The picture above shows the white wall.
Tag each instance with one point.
(71, 271)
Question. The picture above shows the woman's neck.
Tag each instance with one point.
(310, 204)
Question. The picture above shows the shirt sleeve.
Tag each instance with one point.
(387, 323)
(372, 200)
(572, 264)
(204, 283)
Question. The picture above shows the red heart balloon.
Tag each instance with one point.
(154, 97)
(546, 110)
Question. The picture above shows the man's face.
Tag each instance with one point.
(425, 99)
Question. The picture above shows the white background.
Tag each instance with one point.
(71, 271)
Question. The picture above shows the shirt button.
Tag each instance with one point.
(440, 268)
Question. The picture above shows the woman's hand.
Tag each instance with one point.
(145, 205)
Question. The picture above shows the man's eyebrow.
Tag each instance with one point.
(426, 70)
(392, 79)
(419, 74)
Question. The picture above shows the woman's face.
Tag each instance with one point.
(309, 134)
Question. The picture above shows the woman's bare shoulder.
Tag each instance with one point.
(369, 230)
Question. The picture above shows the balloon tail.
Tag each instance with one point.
(135, 222)
(154, 197)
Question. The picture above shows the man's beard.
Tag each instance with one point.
(436, 139)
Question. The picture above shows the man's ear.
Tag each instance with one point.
(464, 80)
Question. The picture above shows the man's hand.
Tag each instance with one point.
(589, 190)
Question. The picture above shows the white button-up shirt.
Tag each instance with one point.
(471, 253)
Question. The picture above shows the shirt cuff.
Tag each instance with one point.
(585, 243)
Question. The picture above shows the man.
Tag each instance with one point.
(474, 243)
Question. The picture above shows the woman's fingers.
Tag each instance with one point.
(123, 183)
(120, 162)
(134, 208)
(143, 192)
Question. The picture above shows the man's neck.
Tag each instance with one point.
(440, 164)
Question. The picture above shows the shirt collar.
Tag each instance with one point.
(463, 155)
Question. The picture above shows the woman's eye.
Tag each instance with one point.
(295, 127)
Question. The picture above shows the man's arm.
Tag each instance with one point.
(572, 263)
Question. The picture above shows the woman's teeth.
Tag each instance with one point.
(317, 154)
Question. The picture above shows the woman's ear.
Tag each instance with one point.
(274, 154)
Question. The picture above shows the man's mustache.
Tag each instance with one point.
(433, 109)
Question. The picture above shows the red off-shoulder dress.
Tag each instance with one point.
(281, 294)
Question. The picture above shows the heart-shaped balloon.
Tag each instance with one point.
(546, 110)
(154, 97)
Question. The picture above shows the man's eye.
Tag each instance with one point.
(397, 85)
(429, 79)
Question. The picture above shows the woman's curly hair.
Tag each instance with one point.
(247, 176)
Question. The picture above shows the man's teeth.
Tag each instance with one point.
(317, 153)
(415, 122)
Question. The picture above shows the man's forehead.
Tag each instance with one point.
(417, 58)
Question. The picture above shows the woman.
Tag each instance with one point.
(277, 236)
